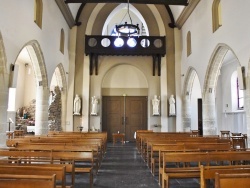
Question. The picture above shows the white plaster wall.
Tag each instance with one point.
(196, 94)
(233, 32)
(228, 117)
(18, 27)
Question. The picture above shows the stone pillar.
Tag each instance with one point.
(42, 97)
(247, 106)
(186, 113)
(209, 117)
(4, 80)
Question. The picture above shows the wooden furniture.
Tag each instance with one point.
(10, 134)
(238, 142)
(18, 133)
(232, 180)
(208, 172)
(59, 171)
(195, 133)
(196, 158)
(117, 136)
(85, 158)
(236, 134)
(225, 134)
(27, 181)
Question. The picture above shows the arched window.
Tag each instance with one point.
(38, 17)
(240, 97)
(216, 15)
(62, 38)
(189, 48)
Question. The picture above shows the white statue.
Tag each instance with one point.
(77, 105)
(94, 105)
(156, 103)
(51, 97)
(171, 106)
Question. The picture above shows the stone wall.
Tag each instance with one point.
(55, 111)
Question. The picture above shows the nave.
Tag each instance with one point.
(123, 167)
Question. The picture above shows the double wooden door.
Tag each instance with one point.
(124, 114)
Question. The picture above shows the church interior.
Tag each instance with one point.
(146, 93)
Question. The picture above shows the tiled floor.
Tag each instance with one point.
(123, 167)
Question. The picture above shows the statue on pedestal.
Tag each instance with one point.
(94, 105)
(171, 106)
(156, 103)
(77, 105)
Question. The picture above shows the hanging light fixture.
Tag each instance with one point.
(127, 28)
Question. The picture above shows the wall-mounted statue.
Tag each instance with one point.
(156, 103)
(172, 106)
(94, 105)
(77, 105)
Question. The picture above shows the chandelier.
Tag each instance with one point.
(127, 28)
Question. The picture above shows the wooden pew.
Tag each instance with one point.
(196, 159)
(62, 147)
(66, 141)
(208, 172)
(27, 181)
(38, 156)
(183, 147)
(174, 140)
(59, 171)
(232, 180)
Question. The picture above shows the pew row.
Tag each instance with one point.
(85, 159)
(59, 171)
(207, 173)
(27, 181)
(189, 163)
(232, 180)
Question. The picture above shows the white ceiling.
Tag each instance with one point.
(176, 10)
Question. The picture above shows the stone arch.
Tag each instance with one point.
(4, 82)
(186, 98)
(247, 102)
(42, 90)
(62, 83)
(210, 83)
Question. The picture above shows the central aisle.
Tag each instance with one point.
(123, 167)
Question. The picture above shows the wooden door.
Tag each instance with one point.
(124, 114)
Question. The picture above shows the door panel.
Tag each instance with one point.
(113, 114)
(136, 113)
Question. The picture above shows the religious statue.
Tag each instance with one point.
(77, 105)
(156, 103)
(51, 97)
(94, 105)
(171, 106)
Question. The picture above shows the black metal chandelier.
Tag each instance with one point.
(126, 28)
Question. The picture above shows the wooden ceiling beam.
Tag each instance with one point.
(163, 2)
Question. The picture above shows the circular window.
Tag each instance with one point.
(105, 42)
(131, 42)
(119, 42)
(158, 43)
(145, 43)
(92, 42)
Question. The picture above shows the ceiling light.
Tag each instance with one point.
(127, 29)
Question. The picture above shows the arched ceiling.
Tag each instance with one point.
(174, 7)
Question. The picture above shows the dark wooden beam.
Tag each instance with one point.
(164, 2)
(79, 14)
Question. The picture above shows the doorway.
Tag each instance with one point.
(124, 114)
(200, 123)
